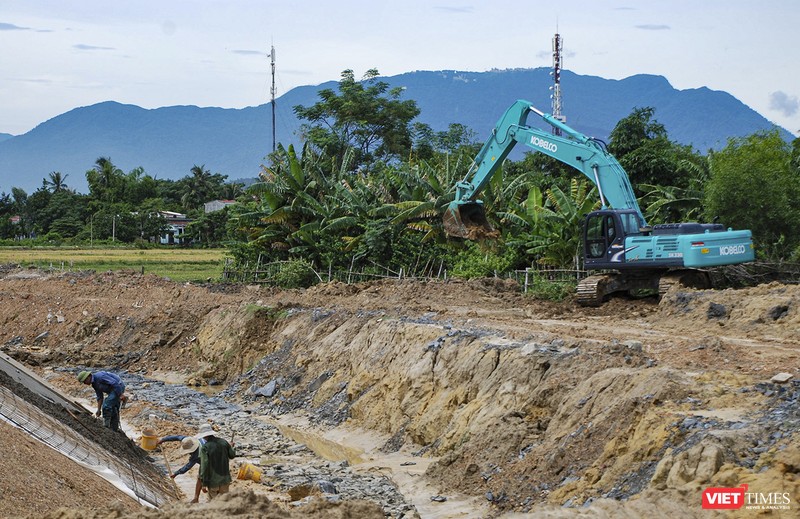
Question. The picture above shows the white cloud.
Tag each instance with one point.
(12, 27)
(81, 46)
(653, 27)
(784, 103)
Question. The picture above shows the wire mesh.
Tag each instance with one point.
(64, 439)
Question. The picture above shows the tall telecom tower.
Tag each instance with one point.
(556, 88)
(272, 93)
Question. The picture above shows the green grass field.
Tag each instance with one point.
(176, 264)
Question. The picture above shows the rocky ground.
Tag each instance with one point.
(409, 399)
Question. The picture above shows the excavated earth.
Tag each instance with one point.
(438, 399)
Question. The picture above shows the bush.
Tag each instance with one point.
(475, 262)
(545, 289)
(53, 238)
(296, 273)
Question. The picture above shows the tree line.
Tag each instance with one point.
(369, 187)
(120, 207)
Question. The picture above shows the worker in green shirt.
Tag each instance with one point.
(215, 456)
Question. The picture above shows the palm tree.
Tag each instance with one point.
(232, 191)
(57, 182)
(296, 202)
(104, 179)
(419, 194)
(200, 188)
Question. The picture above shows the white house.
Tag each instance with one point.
(176, 224)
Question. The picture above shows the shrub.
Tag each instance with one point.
(296, 273)
(545, 289)
(476, 262)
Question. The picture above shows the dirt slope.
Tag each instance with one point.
(632, 408)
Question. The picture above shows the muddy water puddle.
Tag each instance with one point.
(361, 449)
(179, 379)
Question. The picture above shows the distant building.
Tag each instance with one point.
(176, 225)
(216, 205)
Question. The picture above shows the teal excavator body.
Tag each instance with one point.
(616, 237)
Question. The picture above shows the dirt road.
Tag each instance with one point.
(522, 406)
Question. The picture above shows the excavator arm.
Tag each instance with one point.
(465, 217)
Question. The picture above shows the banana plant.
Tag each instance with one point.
(550, 223)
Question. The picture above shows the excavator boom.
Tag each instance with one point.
(465, 216)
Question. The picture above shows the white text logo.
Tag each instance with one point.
(547, 145)
(727, 250)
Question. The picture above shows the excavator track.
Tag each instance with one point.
(697, 279)
(594, 290)
(591, 290)
(666, 283)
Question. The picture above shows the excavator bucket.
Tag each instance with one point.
(468, 220)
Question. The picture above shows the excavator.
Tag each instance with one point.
(629, 255)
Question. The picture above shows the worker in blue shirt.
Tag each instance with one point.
(189, 445)
(106, 383)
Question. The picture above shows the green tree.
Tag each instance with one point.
(106, 181)
(455, 138)
(64, 213)
(56, 182)
(417, 195)
(37, 218)
(366, 116)
(642, 147)
(20, 208)
(428, 143)
(7, 227)
(664, 204)
(231, 191)
(209, 229)
(67, 226)
(754, 186)
(139, 186)
(297, 212)
(200, 187)
(631, 132)
(796, 154)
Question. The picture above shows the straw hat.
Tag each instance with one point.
(189, 445)
(205, 430)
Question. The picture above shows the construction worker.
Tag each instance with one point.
(215, 471)
(105, 382)
(191, 446)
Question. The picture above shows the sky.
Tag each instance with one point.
(62, 54)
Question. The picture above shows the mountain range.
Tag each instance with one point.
(167, 142)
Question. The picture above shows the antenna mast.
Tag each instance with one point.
(556, 88)
(272, 93)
